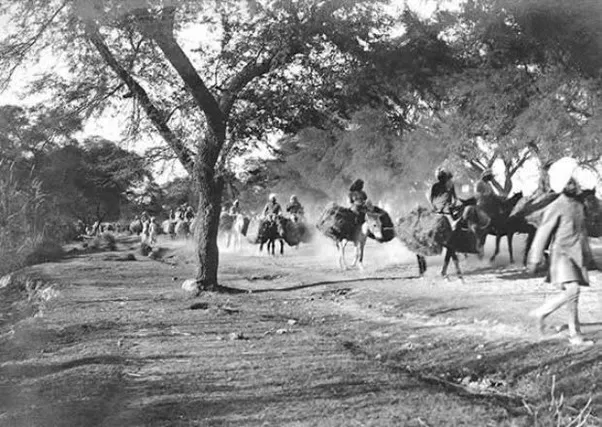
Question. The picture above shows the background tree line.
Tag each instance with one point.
(356, 89)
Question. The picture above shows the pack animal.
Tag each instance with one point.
(342, 225)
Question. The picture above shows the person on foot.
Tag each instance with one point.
(563, 232)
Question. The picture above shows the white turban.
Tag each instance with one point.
(566, 168)
(561, 172)
(586, 178)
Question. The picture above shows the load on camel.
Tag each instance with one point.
(344, 225)
(427, 233)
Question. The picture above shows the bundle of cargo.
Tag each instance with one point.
(338, 222)
(423, 231)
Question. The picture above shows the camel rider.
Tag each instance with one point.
(358, 199)
(295, 208)
(235, 208)
(272, 209)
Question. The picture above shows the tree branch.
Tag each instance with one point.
(24, 47)
(160, 30)
(154, 114)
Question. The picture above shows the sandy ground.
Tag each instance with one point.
(109, 342)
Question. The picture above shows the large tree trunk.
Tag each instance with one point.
(210, 190)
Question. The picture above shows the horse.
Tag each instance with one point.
(233, 227)
(136, 226)
(182, 228)
(169, 228)
(501, 225)
(527, 214)
(238, 230)
(344, 225)
(427, 233)
(270, 231)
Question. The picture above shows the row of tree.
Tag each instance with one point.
(50, 181)
(497, 80)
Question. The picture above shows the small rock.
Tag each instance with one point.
(190, 287)
(291, 322)
(48, 293)
(174, 279)
(479, 356)
(5, 281)
(281, 331)
(378, 357)
(199, 306)
(236, 336)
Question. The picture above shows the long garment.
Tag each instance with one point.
(563, 231)
(443, 198)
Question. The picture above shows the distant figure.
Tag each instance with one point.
(358, 199)
(483, 187)
(544, 179)
(189, 213)
(235, 208)
(272, 209)
(443, 195)
(144, 217)
(295, 208)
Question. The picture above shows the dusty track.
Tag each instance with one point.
(305, 345)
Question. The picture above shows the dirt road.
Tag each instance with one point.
(115, 342)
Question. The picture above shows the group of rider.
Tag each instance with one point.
(444, 201)
(273, 209)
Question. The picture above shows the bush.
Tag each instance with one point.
(104, 242)
(44, 251)
(18, 254)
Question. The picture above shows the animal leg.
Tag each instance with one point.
(454, 257)
(421, 264)
(530, 237)
(446, 262)
(360, 247)
(498, 238)
(509, 237)
(342, 262)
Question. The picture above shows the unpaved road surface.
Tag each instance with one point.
(108, 341)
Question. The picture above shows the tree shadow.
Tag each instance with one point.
(37, 370)
(324, 283)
